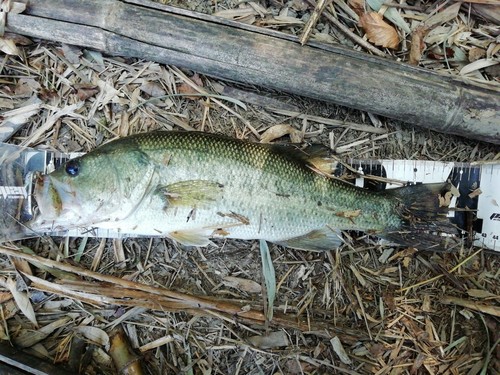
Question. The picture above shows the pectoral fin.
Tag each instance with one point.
(192, 193)
(316, 240)
(191, 237)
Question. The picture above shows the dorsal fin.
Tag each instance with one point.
(318, 156)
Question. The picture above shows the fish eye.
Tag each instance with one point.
(72, 168)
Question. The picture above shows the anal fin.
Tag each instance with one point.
(317, 240)
(191, 237)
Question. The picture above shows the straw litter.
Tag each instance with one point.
(366, 308)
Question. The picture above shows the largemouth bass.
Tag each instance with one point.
(192, 186)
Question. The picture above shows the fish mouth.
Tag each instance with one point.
(53, 197)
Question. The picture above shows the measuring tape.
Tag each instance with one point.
(476, 209)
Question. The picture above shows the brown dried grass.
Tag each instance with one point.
(394, 311)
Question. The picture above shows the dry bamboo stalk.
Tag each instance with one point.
(229, 50)
(169, 300)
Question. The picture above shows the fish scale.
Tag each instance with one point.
(283, 176)
(192, 186)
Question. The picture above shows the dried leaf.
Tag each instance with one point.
(27, 87)
(338, 348)
(271, 340)
(153, 89)
(245, 285)
(278, 131)
(197, 79)
(186, 89)
(15, 118)
(259, 8)
(29, 338)
(392, 14)
(22, 301)
(22, 266)
(57, 305)
(19, 40)
(5, 296)
(475, 193)
(3, 335)
(85, 91)
(476, 53)
(490, 11)
(426, 303)
(480, 293)
(348, 214)
(15, 7)
(72, 53)
(443, 16)
(94, 56)
(107, 93)
(417, 44)
(8, 47)
(378, 31)
(269, 277)
(236, 13)
(282, 21)
(299, 5)
(478, 64)
(93, 334)
(358, 6)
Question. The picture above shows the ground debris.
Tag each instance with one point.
(369, 308)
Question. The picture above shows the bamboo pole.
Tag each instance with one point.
(243, 53)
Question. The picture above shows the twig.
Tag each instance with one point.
(363, 43)
(189, 303)
(331, 122)
(312, 21)
(432, 279)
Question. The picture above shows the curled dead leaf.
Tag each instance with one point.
(417, 44)
(358, 6)
(378, 31)
(186, 89)
(278, 131)
(476, 53)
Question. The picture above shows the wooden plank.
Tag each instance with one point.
(247, 54)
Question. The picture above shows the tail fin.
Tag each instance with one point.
(425, 224)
